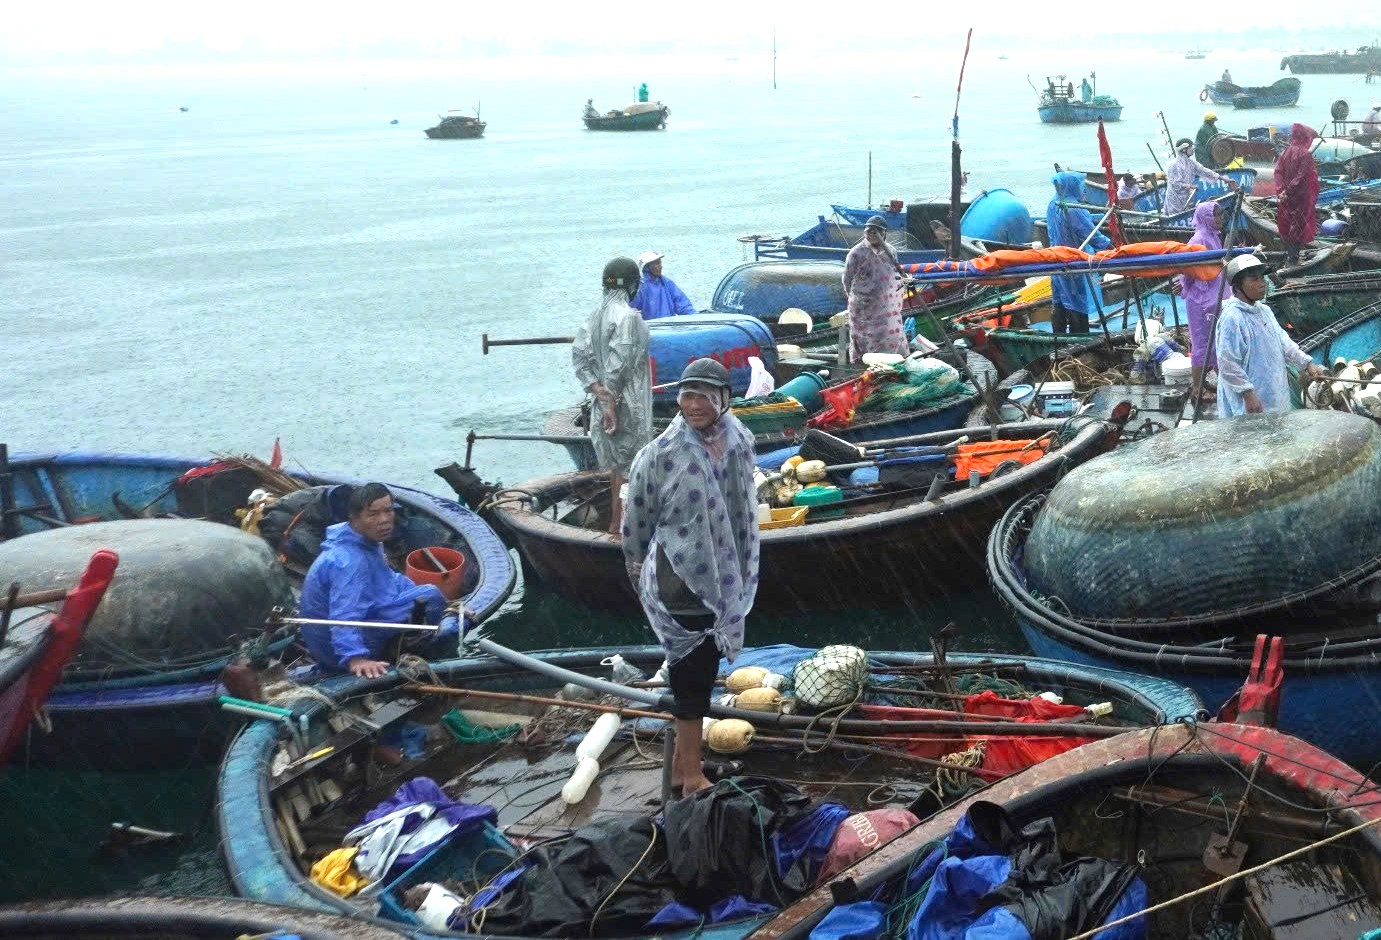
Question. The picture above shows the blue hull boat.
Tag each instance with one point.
(1328, 695)
(273, 826)
(1281, 94)
(830, 240)
(763, 289)
(168, 715)
(1076, 112)
(859, 215)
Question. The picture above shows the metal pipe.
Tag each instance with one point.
(486, 342)
(367, 624)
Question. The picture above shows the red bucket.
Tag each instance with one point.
(420, 570)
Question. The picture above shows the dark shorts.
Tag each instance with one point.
(692, 676)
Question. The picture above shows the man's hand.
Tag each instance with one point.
(1253, 402)
(609, 418)
(366, 668)
(451, 583)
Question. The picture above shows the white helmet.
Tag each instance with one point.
(1243, 264)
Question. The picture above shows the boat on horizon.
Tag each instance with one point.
(1360, 61)
(456, 126)
(1059, 103)
(641, 115)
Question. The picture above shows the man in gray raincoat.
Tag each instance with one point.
(690, 542)
(610, 355)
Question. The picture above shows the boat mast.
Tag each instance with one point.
(774, 56)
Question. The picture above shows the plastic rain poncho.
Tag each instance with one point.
(1067, 225)
(1179, 182)
(874, 287)
(1252, 353)
(700, 510)
(1201, 297)
(1297, 183)
(612, 347)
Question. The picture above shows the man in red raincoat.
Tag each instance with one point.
(1297, 186)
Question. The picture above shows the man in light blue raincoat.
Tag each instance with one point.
(1253, 349)
(1074, 297)
(690, 542)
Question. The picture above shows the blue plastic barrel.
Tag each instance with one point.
(997, 215)
(726, 337)
(806, 389)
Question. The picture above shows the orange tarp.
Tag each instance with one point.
(984, 456)
(997, 261)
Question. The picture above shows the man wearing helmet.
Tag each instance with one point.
(610, 354)
(1207, 131)
(1253, 349)
(690, 543)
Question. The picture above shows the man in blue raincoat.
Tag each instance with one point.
(1074, 297)
(351, 580)
(658, 296)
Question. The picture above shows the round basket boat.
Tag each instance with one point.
(1213, 518)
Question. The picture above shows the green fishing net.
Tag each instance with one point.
(467, 732)
(915, 384)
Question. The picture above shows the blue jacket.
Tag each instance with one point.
(660, 297)
(1070, 226)
(351, 580)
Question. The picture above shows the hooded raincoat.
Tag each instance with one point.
(351, 580)
(1067, 225)
(1253, 351)
(875, 296)
(659, 297)
(1201, 297)
(701, 511)
(1297, 183)
(612, 348)
(1179, 182)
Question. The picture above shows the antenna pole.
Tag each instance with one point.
(774, 56)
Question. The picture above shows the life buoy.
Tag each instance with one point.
(1203, 94)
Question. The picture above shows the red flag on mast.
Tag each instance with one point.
(1105, 153)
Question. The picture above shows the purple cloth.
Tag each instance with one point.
(1201, 297)
(875, 301)
(466, 817)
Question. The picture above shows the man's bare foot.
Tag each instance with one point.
(692, 787)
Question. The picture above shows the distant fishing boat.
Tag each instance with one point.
(455, 126)
(1196, 54)
(1280, 94)
(641, 115)
(1059, 104)
(1365, 59)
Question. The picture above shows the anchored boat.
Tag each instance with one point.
(520, 796)
(135, 705)
(1058, 103)
(456, 126)
(1280, 94)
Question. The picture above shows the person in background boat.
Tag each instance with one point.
(1207, 131)
(1253, 349)
(1074, 297)
(1297, 192)
(658, 296)
(1227, 77)
(1085, 91)
(873, 282)
(1371, 124)
(690, 543)
(1181, 174)
(1201, 298)
(351, 580)
(610, 355)
(1127, 191)
(590, 111)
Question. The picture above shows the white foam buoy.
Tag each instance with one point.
(599, 736)
(575, 789)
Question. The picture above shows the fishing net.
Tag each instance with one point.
(467, 732)
(833, 676)
(914, 384)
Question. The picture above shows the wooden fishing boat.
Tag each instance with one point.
(1174, 804)
(1014, 336)
(1364, 59)
(831, 239)
(1307, 305)
(1262, 228)
(892, 549)
(278, 818)
(453, 126)
(36, 643)
(110, 707)
(1329, 701)
(1152, 226)
(1057, 104)
(183, 918)
(1281, 94)
(643, 116)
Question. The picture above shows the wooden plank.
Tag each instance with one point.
(344, 741)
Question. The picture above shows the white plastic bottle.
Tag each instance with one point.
(575, 789)
(599, 736)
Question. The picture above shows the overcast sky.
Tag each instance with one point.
(63, 30)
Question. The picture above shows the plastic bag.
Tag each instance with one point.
(761, 381)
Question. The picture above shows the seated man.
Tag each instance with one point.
(351, 580)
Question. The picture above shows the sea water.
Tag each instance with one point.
(281, 262)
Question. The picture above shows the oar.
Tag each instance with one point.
(363, 624)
